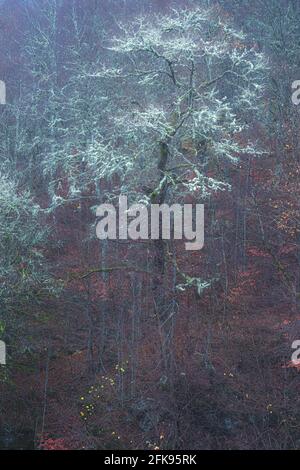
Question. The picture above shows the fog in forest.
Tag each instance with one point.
(172, 322)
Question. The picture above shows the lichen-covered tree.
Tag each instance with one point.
(185, 89)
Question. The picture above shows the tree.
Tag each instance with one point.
(25, 277)
(186, 86)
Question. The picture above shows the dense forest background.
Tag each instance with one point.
(144, 345)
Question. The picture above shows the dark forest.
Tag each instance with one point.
(117, 337)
